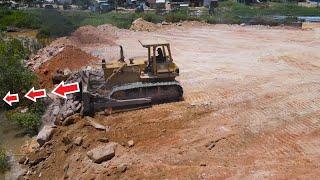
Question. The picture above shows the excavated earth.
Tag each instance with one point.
(251, 110)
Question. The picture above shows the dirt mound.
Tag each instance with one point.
(142, 25)
(83, 37)
(92, 35)
(310, 26)
(45, 54)
(70, 58)
(109, 29)
(192, 24)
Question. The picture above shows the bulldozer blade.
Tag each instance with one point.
(127, 102)
(110, 111)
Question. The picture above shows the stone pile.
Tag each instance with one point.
(143, 25)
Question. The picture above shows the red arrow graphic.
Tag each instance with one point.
(62, 90)
(11, 98)
(33, 95)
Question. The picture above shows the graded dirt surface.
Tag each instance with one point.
(251, 110)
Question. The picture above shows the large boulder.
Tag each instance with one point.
(143, 25)
(96, 125)
(102, 153)
(70, 120)
(45, 135)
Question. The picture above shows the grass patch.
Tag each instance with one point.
(18, 19)
(30, 121)
(266, 9)
(53, 23)
(121, 20)
(234, 13)
(222, 19)
(4, 163)
(178, 16)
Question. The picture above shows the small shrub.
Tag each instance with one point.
(210, 19)
(222, 19)
(38, 108)
(264, 20)
(121, 20)
(55, 24)
(19, 19)
(4, 164)
(29, 120)
(177, 16)
(152, 17)
(290, 20)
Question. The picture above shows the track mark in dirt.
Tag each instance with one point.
(147, 125)
(295, 61)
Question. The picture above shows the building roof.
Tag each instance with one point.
(153, 42)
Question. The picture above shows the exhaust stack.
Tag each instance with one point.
(121, 54)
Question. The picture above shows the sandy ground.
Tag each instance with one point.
(253, 92)
(263, 85)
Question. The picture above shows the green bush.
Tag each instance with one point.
(177, 16)
(290, 20)
(54, 24)
(14, 77)
(121, 20)
(264, 20)
(20, 19)
(29, 121)
(4, 164)
(37, 108)
(266, 9)
(152, 17)
(210, 19)
(222, 19)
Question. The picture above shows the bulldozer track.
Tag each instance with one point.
(144, 85)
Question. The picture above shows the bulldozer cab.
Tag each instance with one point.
(159, 57)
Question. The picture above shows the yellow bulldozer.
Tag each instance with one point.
(137, 83)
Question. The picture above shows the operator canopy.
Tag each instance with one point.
(153, 42)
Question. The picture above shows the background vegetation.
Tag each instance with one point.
(53, 23)
(30, 121)
(16, 78)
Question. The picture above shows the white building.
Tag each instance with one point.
(64, 1)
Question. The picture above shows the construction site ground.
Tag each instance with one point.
(251, 110)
